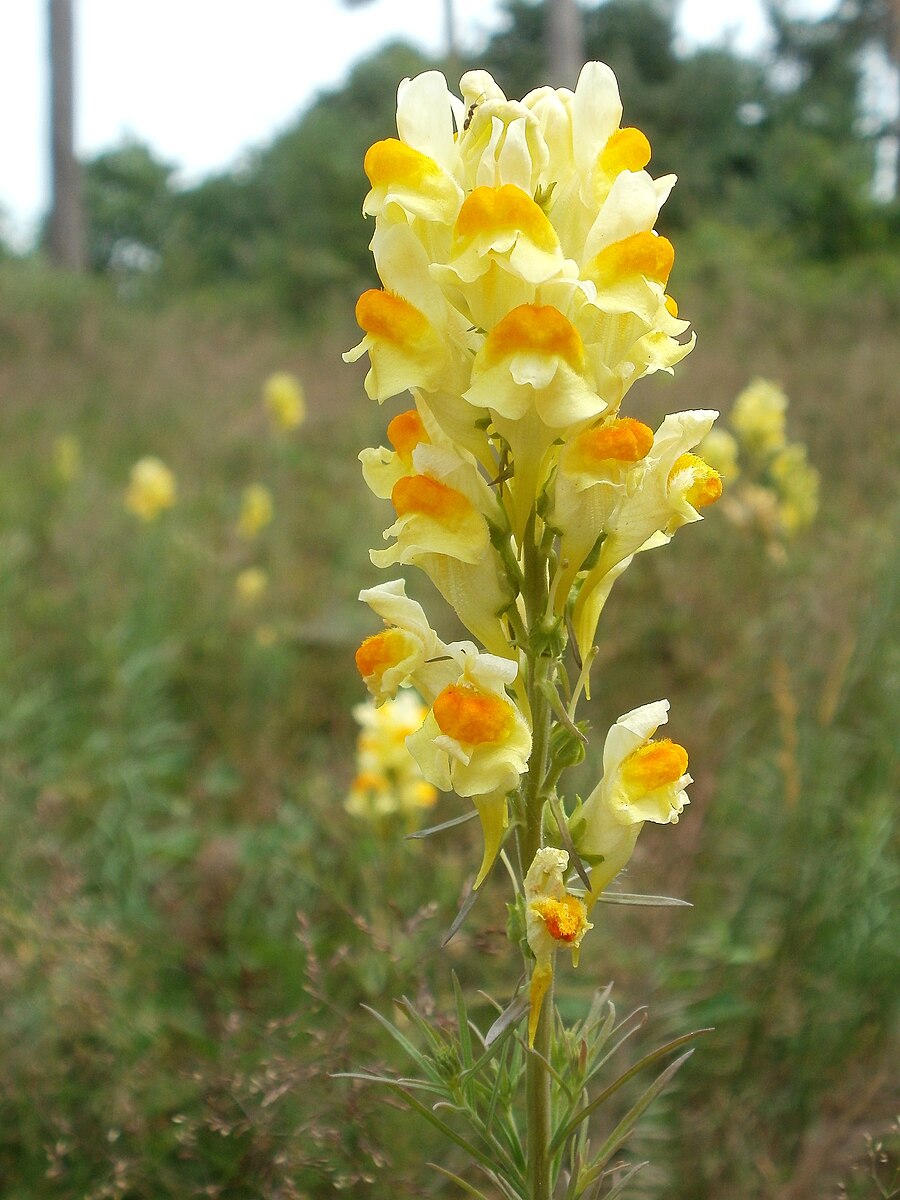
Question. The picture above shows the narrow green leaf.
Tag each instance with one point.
(566, 838)
(654, 1055)
(462, 1021)
(619, 1186)
(466, 1187)
(554, 1074)
(465, 908)
(418, 1058)
(643, 901)
(631, 1118)
(511, 1015)
(433, 829)
(447, 1130)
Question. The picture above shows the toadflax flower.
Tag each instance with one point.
(476, 742)
(151, 489)
(257, 510)
(251, 584)
(643, 780)
(554, 917)
(672, 488)
(444, 513)
(759, 417)
(523, 283)
(285, 400)
(66, 457)
(407, 652)
(388, 782)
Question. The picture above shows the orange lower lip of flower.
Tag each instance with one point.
(471, 717)
(500, 209)
(393, 162)
(654, 766)
(706, 485)
(390, 317)
(535, 328)
(379, 652)
(624, 440)
(641, 254)
(564, 919)
(405, 432)
(626, 150)
(429, 497)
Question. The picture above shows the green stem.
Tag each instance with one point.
(539, 673)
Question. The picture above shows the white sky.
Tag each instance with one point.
(201, 81)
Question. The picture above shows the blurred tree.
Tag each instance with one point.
(65, 230)
(314, 185)
(565, 41)
(774, 146)
(821, 147)
(450, 46)
(128, 204)
(217, 231)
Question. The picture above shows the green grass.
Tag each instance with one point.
(188, 919)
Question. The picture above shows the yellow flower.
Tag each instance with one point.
(476, 742)
(284, 399)
(388, 781)
(643, 780)
(251, 584)
(444, 510)
(151, 489)
(554, 917)
(407, 652)
(596, 470)
(519, 264)
(797, 484)
(758, 417)
(257, 510)
(66, 456)
(671, 489)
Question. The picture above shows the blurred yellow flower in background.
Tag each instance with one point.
(797, 485)
(66, 457)
(285, 400)
(251, 584)
(720, 449)
(758, 416)
(778, 490)
(151, 488)
(257, 510)
(388, 784)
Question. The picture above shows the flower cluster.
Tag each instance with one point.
(388, 786)
(777, 489)
(524, 292)
(151, 489)
(284, 400)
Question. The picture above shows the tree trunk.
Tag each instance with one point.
(565, 42)
(66, 240)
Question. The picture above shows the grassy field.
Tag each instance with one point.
(189, 919)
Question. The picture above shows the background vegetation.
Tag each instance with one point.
(189, 920)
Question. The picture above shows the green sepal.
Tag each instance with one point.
(544, 195)
(567, 749)
(548, 638)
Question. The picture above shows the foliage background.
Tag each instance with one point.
(188, 919)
